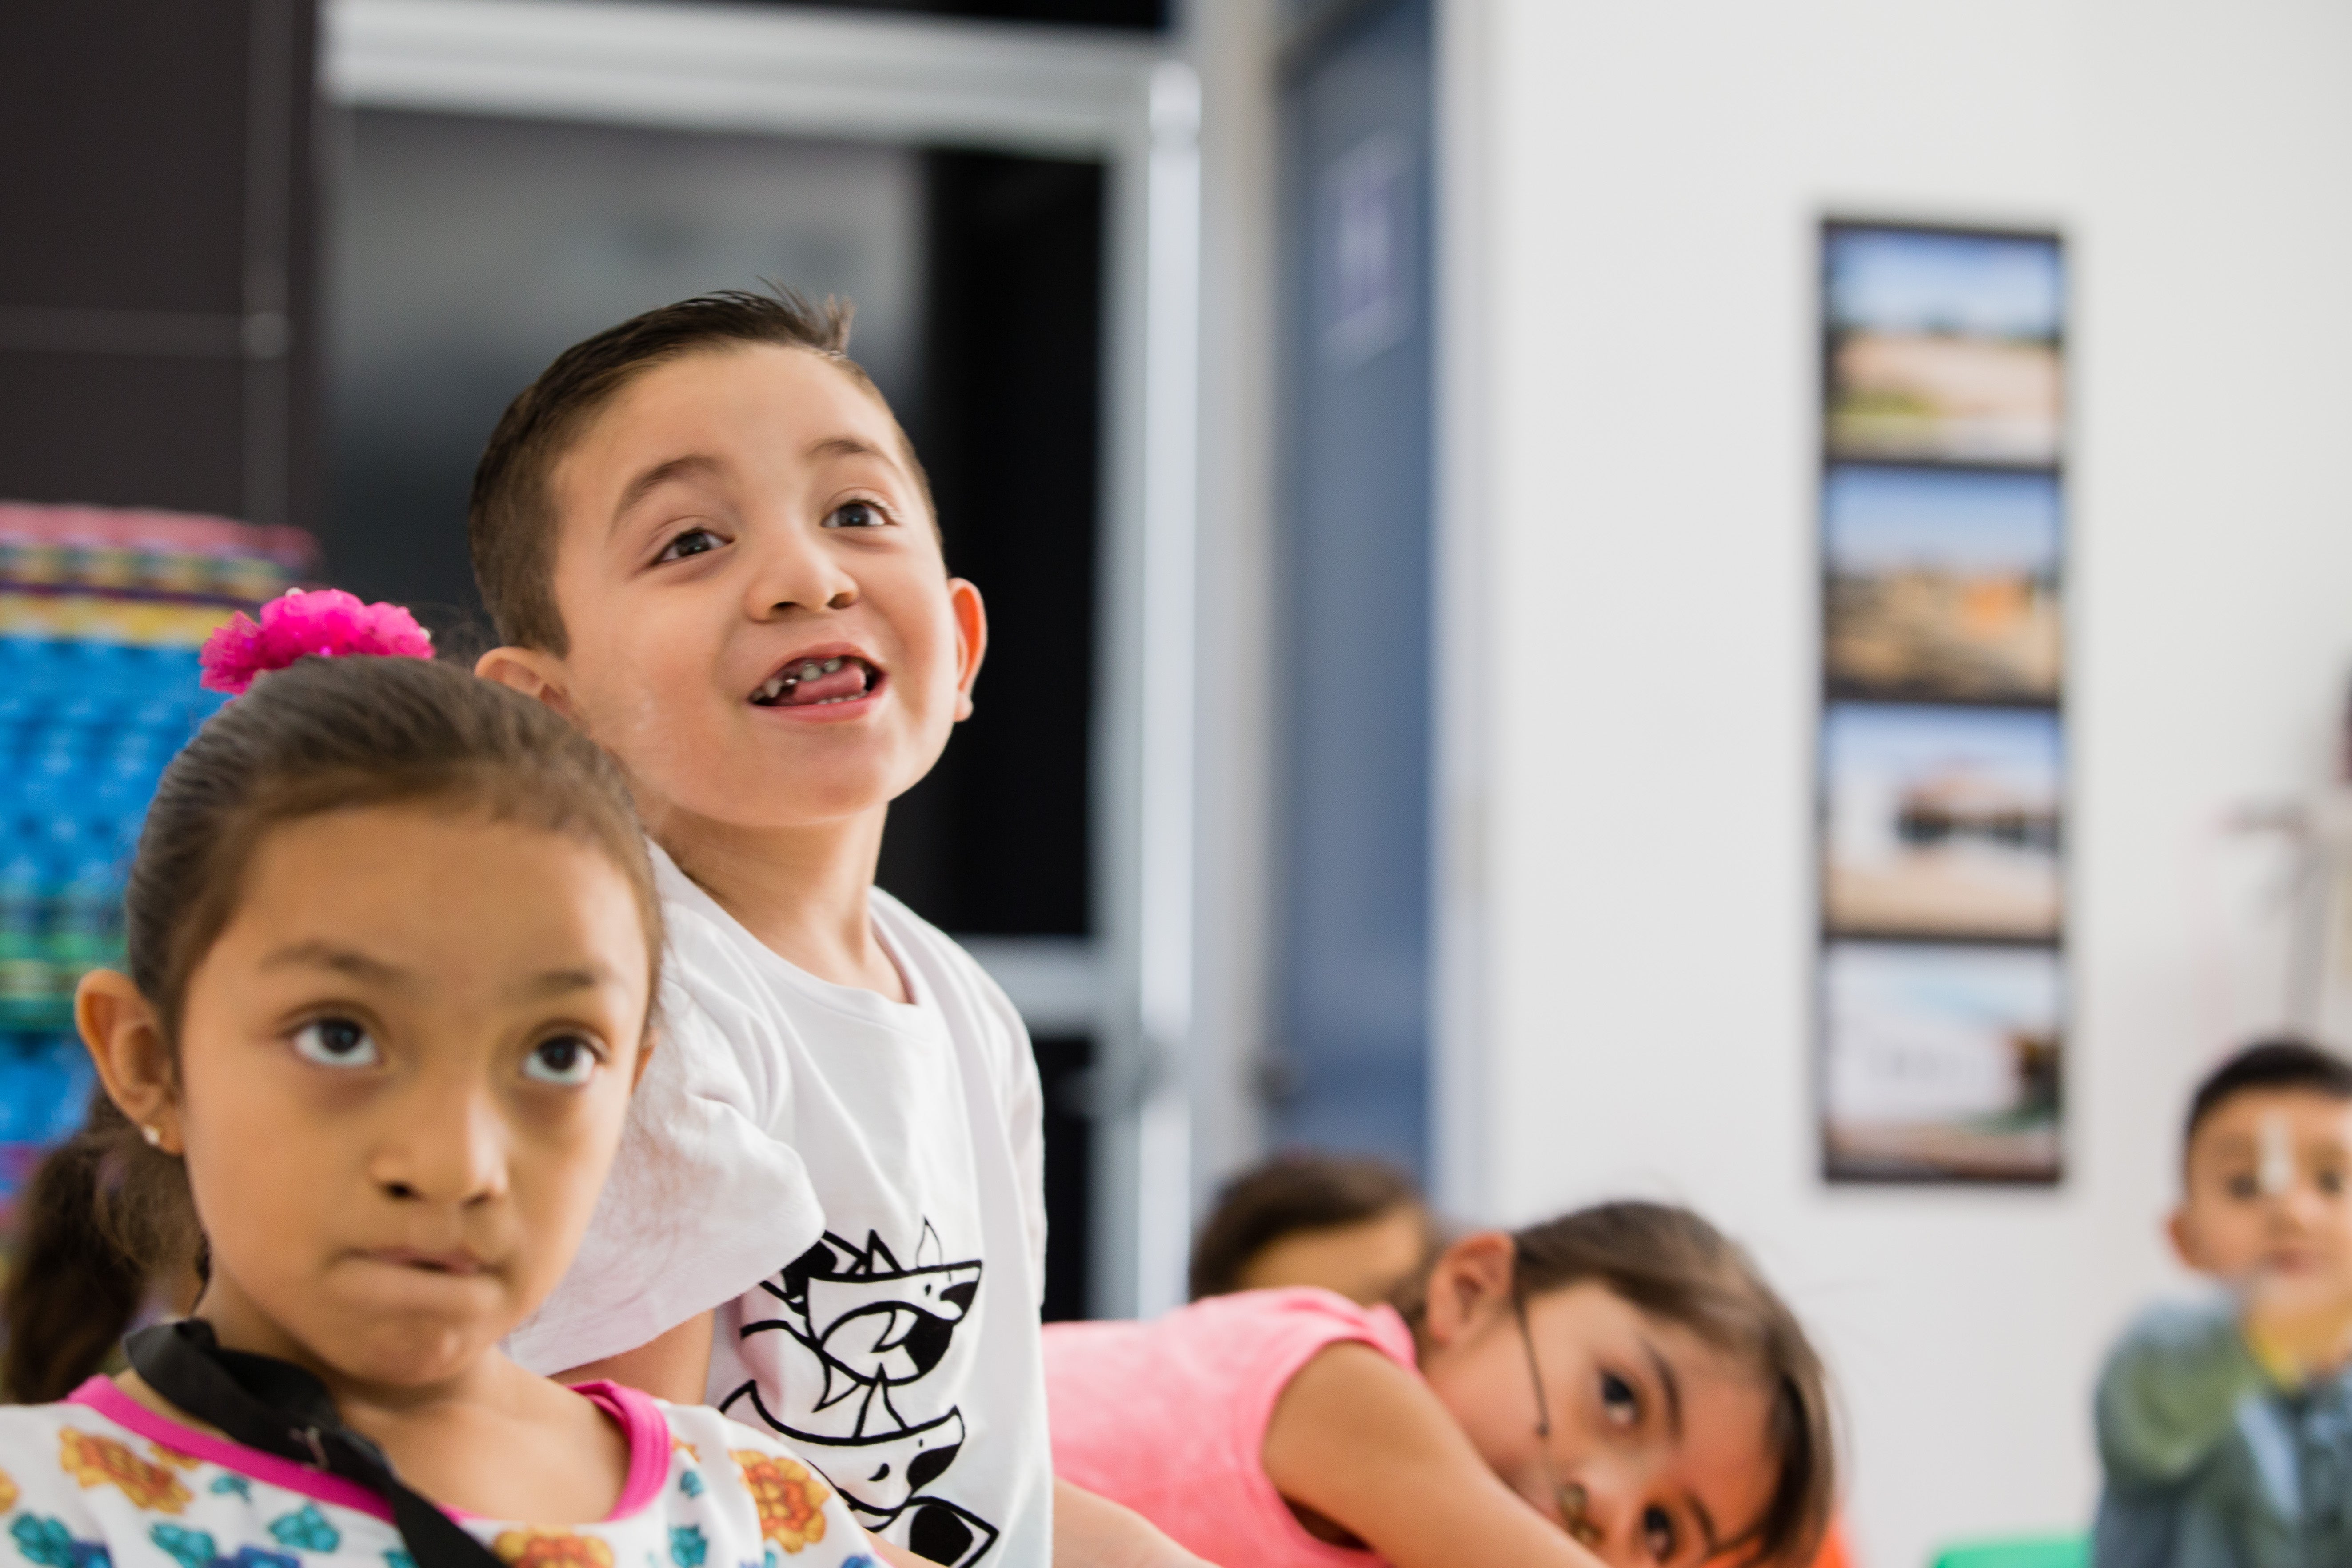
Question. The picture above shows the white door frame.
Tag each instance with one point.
(793, 70)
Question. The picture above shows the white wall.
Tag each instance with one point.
(1630, 283)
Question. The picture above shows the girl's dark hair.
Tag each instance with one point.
(106, 1218)
(1671, 1264)
(1289, 1194)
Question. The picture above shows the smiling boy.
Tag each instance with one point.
(2226, 1427)
(704, 537)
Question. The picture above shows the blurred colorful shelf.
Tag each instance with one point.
(101, 613)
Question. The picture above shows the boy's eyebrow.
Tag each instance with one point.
(846, 446)
(694, 465)
(351, 960)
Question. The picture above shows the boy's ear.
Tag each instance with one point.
(125, 1040)
(972, 641)
(2183, 1234)
(1470, 1281)
(534, 672)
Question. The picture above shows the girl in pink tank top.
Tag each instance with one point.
(1618, 1384)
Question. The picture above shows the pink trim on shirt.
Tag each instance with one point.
(101, 1394)
(640, 1422)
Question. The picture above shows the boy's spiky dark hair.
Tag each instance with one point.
(510, 525)
(2282, 1062)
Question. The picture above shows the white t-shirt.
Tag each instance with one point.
(857, 1185)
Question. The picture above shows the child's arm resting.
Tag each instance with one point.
(1092, 1531)
(1365, 1444)
(674, 1367)
(2171, 1394)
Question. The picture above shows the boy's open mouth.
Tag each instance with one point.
(813, 682)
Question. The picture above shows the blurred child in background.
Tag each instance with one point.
(393, 945)
(1353, 1226)
(1618, 1384)
(2225, 1427)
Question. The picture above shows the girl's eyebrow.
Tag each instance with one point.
(350, 961)
(1671, 1384)
(562, 982)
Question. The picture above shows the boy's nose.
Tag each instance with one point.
(796, 573)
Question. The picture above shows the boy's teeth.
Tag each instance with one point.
(779, 688)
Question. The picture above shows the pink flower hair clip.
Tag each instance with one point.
(326, 622)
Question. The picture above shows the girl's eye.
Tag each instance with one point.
(2331, 1183)
(1619, 1403)
(693, 541)
(857, 514)
(336, 1043)
(566, 1060)
(2244, 1187)
(1658, 1534)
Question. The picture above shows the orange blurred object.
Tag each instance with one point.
(1833, 1553)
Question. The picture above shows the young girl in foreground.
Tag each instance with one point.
(1621, 1374)
(392, 939)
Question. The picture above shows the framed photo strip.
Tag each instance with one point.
(1941, 996)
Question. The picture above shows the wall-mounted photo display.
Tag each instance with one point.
(1944, 346)
(1942, 585)
(1941, 822)
(1942, 1061)
(1942, 754)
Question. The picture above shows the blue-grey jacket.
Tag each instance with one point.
(2209, 1463)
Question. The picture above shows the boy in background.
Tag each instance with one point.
(2225, 1428)
(705, 539)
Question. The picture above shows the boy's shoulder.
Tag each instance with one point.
(2201, 1328)
(944, 963)
(719, 971)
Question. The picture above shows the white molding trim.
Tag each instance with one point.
(780, 69)
(1462, 1155)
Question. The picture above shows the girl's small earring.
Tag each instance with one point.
(155, 1137)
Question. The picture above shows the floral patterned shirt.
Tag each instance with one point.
(98, 1480)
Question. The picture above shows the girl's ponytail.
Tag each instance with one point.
(104, 1220)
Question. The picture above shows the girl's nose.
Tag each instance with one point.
(447, 1145)
(1601, 1512)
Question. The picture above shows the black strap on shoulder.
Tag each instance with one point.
(280, 1409)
